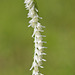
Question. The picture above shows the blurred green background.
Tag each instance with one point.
(16, 43)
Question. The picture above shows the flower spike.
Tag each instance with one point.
(38, 37)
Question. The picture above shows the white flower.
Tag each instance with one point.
(34, 23)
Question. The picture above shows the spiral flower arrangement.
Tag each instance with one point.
(38, 37)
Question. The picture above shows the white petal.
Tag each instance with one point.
(41, 66)
(43, 60)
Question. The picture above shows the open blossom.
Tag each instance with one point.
(34, 23)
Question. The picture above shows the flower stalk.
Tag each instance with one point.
(38, 37)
